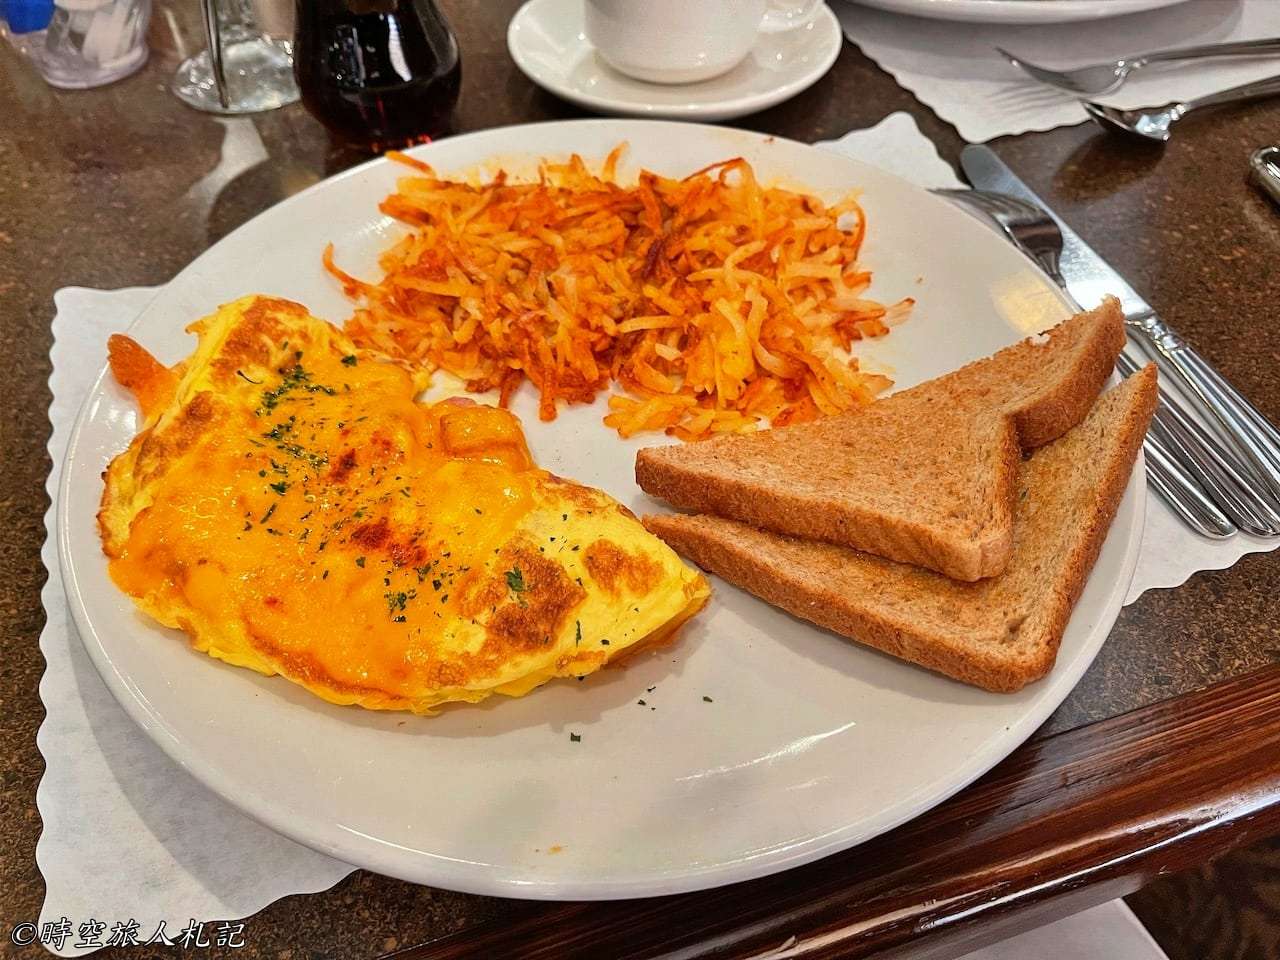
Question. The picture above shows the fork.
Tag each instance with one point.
(1250, 436)
(1184, 459)
(1098, 79)
(1168, 473)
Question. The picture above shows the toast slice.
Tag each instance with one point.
(925, 476)
(998, 634)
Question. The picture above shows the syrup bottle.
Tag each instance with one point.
(379, 74)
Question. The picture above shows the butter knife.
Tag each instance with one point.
(1089, 278)
(1174, 436)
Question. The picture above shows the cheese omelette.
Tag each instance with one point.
(291, 506)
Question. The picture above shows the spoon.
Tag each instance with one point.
(1154, 123)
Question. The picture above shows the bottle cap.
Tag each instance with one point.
(25, 16)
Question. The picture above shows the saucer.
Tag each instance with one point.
(547, 43)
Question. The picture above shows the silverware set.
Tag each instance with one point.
(1151, 124)
(1219, 471)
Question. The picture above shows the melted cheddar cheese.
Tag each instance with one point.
(291, 506)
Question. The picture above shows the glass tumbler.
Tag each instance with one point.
(244, 69)
(92, 42)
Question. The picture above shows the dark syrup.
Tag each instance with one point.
(378, 73)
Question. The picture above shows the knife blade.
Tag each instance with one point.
(1089, 278)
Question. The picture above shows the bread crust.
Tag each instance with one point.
(810, 579)
(984, 553)
(999, 403)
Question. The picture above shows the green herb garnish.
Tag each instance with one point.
(294, 379)
(398, 601)
(515, 580)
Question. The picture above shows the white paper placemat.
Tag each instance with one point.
(954, 69)
(128, 835)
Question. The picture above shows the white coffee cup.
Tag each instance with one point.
(684, 41)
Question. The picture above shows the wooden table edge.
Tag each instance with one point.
(1064, 823)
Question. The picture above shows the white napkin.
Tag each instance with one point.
(954, 69)
(1106, 932)
(128, 835)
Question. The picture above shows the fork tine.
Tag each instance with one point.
(975, 199)
(1018, 209)
(1053, 78)
(1002, 203)
(1086, 80)
(1008, 56)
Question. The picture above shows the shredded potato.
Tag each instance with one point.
(715, 303)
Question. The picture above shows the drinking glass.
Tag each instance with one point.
(80, 43)
(244, 70)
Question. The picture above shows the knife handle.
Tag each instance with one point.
(1255, 437)
(1182, 495)
(1218, 473)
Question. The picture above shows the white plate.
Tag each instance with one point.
(546, 41)
(810, 744)
(1018, 11)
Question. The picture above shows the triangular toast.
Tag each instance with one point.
(999, 633)
(925, 476)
